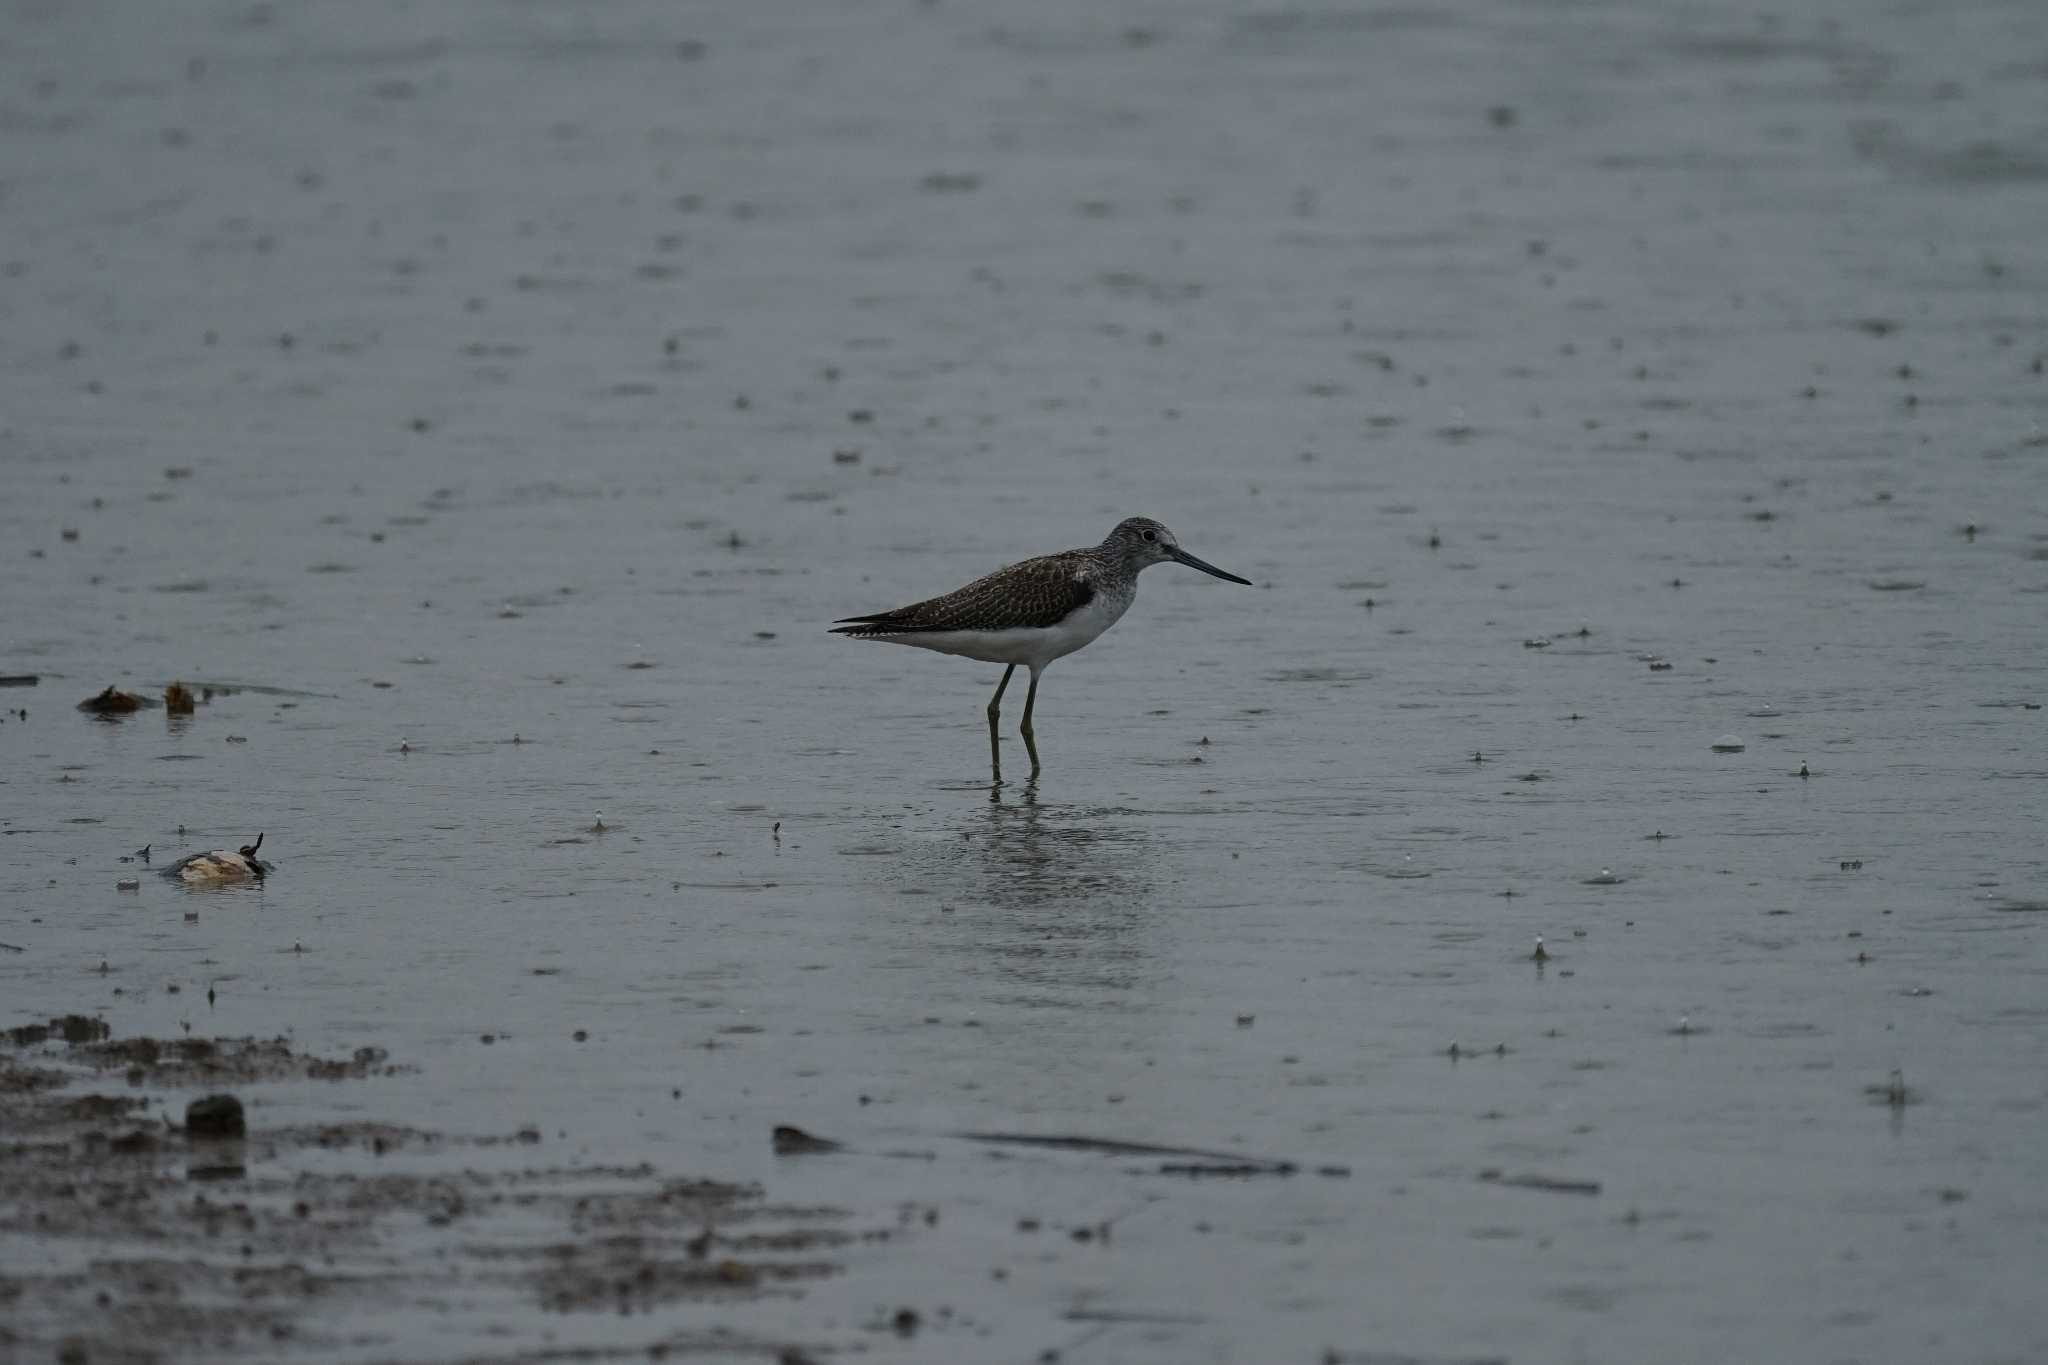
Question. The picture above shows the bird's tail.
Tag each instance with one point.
(880, 623)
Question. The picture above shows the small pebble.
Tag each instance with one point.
(215, 1116)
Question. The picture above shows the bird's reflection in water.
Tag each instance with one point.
(1034, 855)
(1058, 898)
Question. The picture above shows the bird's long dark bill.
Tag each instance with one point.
(1183, 557)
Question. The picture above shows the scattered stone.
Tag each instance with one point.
(216, 1117)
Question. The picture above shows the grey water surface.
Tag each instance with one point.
(495, 402)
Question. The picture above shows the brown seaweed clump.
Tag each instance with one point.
(178, 699)
(112, 702)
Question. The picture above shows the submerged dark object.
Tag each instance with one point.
(1549, 1184)
(1204, 1162)
(221, 865)
(796, 1142)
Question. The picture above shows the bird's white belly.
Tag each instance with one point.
(1032, 646)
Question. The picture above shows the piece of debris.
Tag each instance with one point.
(1894, 1093)
(178, 699)
(221, 866)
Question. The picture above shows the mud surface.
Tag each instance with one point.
(481, 409)
(158, 1242)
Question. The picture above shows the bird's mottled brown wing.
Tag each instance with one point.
(1036, 593)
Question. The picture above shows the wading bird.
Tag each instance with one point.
(1033, 612)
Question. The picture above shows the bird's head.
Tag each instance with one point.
(1142, 542)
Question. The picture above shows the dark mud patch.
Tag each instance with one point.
(91, 1109)
(71, 1028)
(303, 1240)
(637, 1248)
(209, 1061)
(16, 1079)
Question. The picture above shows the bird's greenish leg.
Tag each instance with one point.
(1030, 744)
(995, 705)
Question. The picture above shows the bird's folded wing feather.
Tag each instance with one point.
(1037, 593)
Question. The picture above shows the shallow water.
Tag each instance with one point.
(503, 399)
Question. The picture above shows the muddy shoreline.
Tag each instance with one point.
(1633, 419)
(170, 1242)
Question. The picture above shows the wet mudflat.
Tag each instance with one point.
(483, 410)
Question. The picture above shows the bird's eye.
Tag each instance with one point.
(1151, 535)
